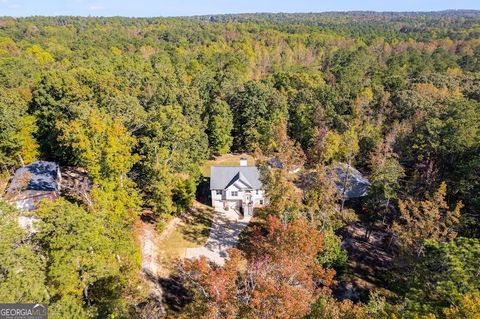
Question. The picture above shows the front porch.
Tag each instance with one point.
(243, 207)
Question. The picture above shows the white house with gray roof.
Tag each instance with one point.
(237, 188)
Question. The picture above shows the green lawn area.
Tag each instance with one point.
(192, 232)
(226, 160)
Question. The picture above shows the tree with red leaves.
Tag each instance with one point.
(281, 279)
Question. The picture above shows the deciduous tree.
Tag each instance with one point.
(281, 280)
(17, 143)
(22, 265)
(220, 126)
(427, 219)
(447, 277)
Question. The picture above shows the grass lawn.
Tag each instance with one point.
(192, 232)
(226, 160)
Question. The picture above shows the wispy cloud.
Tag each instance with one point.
(96, 8)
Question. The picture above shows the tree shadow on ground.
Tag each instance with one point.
(148, 217)
(175, 296)
(199, 222)
(203, 191)
(369, 262)
(152, 306)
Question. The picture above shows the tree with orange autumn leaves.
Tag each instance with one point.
(281, 279)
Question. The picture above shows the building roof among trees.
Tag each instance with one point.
(350, 182)
(222, 176)
(37, 176)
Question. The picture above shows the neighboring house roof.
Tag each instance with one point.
(221, 177)
(274, 162)
(356, 185)
(37, 176)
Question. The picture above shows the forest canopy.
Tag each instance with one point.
(142, 103)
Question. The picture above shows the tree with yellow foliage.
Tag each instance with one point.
(17, 143)
(427, 219)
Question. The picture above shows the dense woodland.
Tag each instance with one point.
(142, 103)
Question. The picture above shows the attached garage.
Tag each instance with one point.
(235, 205)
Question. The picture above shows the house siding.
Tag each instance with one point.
(219, 200)
(240, 188)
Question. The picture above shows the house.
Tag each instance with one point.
(32, 183)
(350, 182)
(275, 162)
(237, 187)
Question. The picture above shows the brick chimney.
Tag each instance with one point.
(243, 161)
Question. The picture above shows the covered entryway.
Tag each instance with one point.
(247, 205)
(233, 206)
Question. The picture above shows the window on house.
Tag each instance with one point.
(234, 193)
(257, 192)
(219, 192)
(261, 202)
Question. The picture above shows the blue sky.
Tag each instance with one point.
(146, 8)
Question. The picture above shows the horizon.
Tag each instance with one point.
(237, 14)
(188, 8)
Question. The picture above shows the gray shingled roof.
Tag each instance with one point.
(40, 176)
(356, 185)
(241, 179)
(221, 176)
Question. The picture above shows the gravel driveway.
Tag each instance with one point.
(224, 234)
